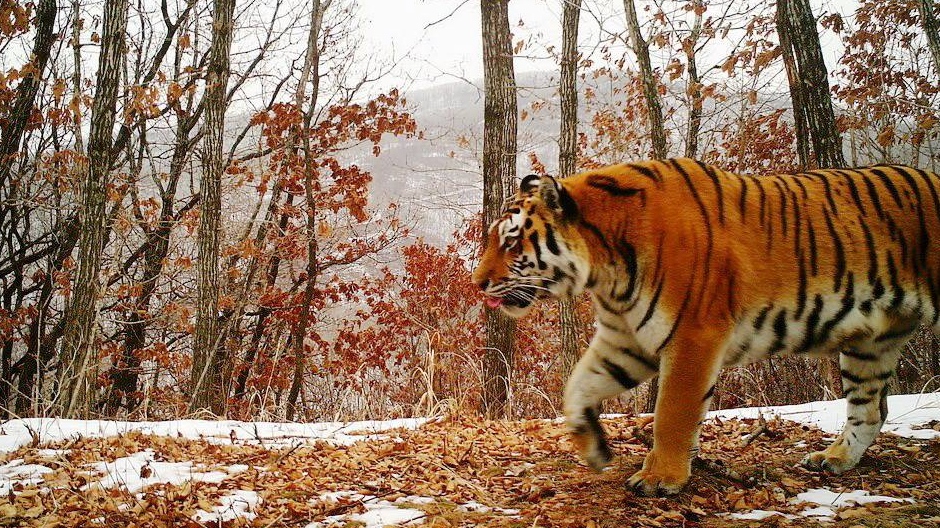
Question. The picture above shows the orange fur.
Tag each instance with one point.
(692, 268)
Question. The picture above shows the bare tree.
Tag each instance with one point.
(78, 367)
(809, 85)
(694, 88)
(499, 174)
(654, 111)
(928, 21)
(567, 161)
(309, 73)
(208, 390)
(654, 107)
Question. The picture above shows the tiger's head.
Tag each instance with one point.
(534, 249)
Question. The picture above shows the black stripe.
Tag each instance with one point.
(702, 210)
(852, 377)
(610, 185)
(859, 401)
(872, 194)
(839, 250)
(675, 324)
(848, 302)
(550, 241)
(859, 355)
(886, 181)
(594, 426)
(894, 334)
(780, 332)
(801, 288)
(709, 394)
(923, 238)
(783, 207)
(628, 253)
(853, 190)
(713, 176)
(813, 257)
(762, 200)
(823, 177)
(652, 307)
(895, 285)
(742, 199)
(618, 373)
(872, 253)
(534, 239)
(649, 172)
(928, 181)
(797, 179)
(761, 317)
(811, 321)
(600, 236)
(636, 356)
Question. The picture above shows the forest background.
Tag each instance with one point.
(341, 193)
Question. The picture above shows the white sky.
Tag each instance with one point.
(451, 48)
(441, 38)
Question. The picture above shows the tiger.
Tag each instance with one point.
(691, 268)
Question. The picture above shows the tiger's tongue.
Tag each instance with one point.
(493, 302)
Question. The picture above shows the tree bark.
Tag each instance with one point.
(809, 85)
(11, 133)
(812, 107)
(654, 111)
(499, 181)
(567, 162)
(208, 383)
(311, 70)
(654, 107)
(928, 21)
(694, 88)
(78, 367)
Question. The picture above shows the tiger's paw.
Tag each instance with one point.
(652, 484)
(835, 459)
(593, 450)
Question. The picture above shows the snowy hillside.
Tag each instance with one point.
(460, 469)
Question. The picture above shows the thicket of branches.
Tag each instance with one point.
(325, 307)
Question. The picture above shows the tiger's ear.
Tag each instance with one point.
(529, 183)
(556, 198)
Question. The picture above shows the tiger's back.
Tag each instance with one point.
(692, 268)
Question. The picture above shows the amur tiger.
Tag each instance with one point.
(692, 268)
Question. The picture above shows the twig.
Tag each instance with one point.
(761, 429)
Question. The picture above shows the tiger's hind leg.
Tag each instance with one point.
(603, 372)
(865, 376)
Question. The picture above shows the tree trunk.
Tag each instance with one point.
(567, 162)
(499, 182)
(78, 365)
(12, 132)
(654, 110)
(654, 107)
(208, 384)
(311, 70)
(812, 108)
(928, 21)
(809, 85)
(694, 88)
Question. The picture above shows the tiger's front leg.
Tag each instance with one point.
(604, 371)
(688, 372)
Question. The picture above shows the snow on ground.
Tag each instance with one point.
(17, 433)
(907, 413)
(137, 471)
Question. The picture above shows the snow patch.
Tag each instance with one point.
(137, 471)
(377, 514)
(15, 472)
(905, 413)
(238, 504)
(828, 502)
(16, 433)
(758, 515)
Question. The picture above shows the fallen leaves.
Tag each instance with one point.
(514, 473)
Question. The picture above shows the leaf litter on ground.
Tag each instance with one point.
(465, 471)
